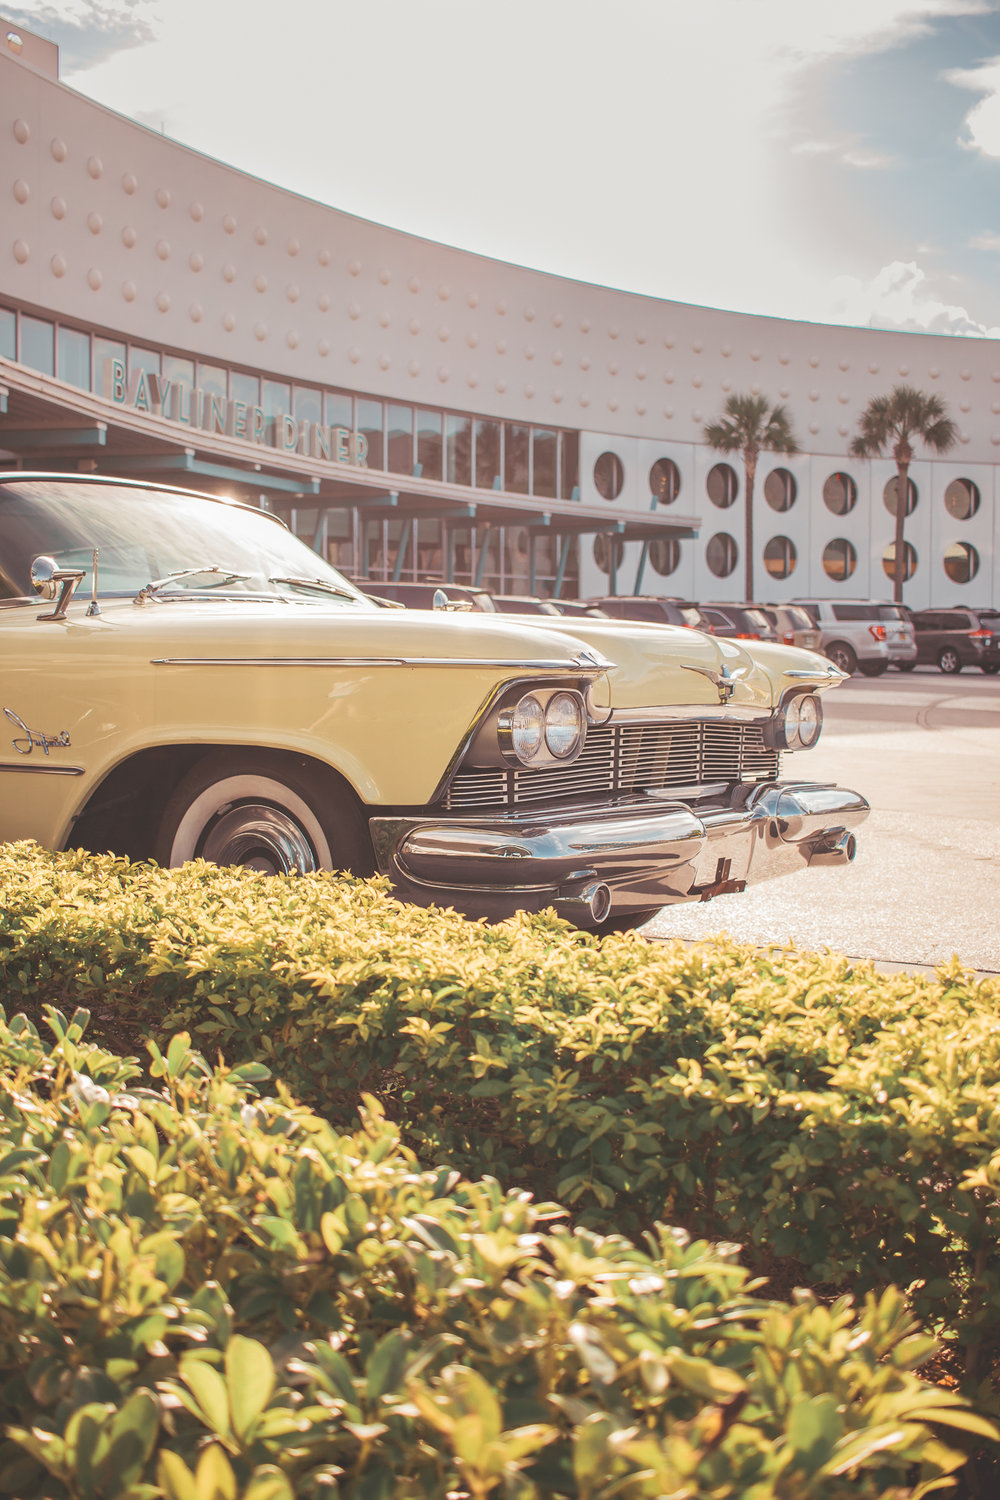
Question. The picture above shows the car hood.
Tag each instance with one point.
(271, 629)
(677, 665)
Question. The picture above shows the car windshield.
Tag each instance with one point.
(757, 617)
(692, 616)
(800, 618)
(143, 536)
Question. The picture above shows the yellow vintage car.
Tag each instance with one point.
(182, 678)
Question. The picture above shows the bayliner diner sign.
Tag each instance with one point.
(189, 407)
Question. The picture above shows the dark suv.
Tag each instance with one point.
(957, 638)
(741, 622)
(654, 610)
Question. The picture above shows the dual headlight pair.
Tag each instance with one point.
(539, 731)
(797, 724)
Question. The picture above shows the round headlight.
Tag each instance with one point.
(527, 729)
(810, 720)
(791, 718)
(563, 725)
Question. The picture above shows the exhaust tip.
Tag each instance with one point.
(840, 851)
(587, 906)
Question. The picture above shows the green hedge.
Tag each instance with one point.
(815, 1111)
(207, 1292)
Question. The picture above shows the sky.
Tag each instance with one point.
(836, 161)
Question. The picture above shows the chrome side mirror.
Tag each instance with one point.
(43, 576)
(47, 577)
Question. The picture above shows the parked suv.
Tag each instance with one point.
(863, 634)
(794, 626)
(741, 622)
(654, 610)
(957, 638)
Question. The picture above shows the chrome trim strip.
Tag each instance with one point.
(833, 675)
(688, 711)
(43, 770)
(570, 668)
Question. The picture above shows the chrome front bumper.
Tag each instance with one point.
(636, 854)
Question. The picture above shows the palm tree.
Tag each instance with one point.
(892, 421)
(750, 425)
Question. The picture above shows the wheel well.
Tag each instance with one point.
(123, 813)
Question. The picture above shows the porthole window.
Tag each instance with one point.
(606, 547)
(961, 562)
(909, 561)
(609, 476)
(839, 559)
(722, 485)
(721, 554)
(780, 557)
(665, 481)
(840, 494)
(889, 496)
(780, 489)
(961, 500)
(665, 555)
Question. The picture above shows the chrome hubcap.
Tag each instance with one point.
(259, 837)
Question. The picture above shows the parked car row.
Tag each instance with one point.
(858, 635)
(182, 678)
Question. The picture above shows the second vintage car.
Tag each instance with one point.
(182, 678)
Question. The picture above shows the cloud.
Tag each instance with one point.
(87, 32)
(899, 296)
(982, 123)
(985, 241)
(845, 149)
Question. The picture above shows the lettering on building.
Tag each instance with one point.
(193, 407)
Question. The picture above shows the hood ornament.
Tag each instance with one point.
(724, 680)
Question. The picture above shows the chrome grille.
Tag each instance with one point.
(628, 758)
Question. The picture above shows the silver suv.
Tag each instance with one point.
(863, 634)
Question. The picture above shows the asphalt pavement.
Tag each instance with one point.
(924, 749)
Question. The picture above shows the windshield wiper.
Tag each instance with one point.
(317, 583)
(224, 575)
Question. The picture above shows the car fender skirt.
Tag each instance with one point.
(631, 855)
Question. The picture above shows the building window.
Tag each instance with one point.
(8, 333)
(889, 496)
(339, 410)
(961, 500)
(780, 557)
(488, 456)
(517, 457)
(399, 438)
(961, 562)
(150, 360)
(38, 345)
(73, 350)
(839, 559)
(665, 555)
(429, 444)
(721, 554)
(569, 478)
(275, 397)
(722, 485)
(244, 387)
(840, 494)
(543, 462)
(909, 560)
(307, 404)
(457, 449)
(370, 427)
(665, 481)
(606, 548)
(180, 371)
(780, 489)
(609, 476)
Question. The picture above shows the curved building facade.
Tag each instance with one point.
(417, 411)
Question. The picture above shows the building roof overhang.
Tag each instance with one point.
(46, 423)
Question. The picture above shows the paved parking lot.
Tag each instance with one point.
(925, 750)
